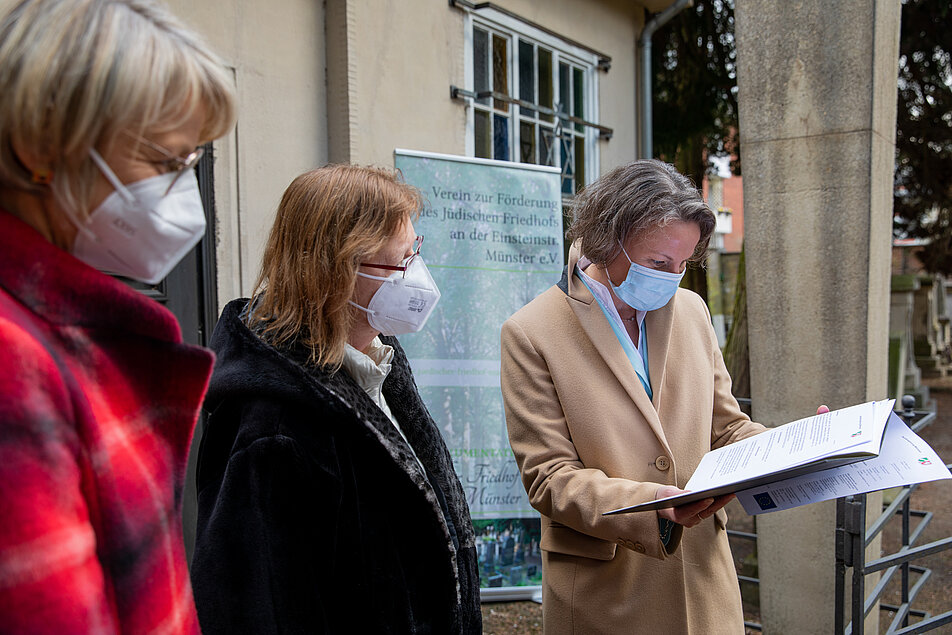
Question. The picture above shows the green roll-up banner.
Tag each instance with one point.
(493, 242)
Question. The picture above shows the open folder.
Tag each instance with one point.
(853, 450)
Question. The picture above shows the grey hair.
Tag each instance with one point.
(74, 74)
(634, 199)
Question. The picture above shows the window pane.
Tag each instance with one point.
(500, 70)
(579, 143)
(578, 84)
(546, 146)
(568, 165)
(542, 79)
(545, 80)
(565, 89)
(526, 76)
(481, 62)
(483, 134)
(527, 139)
(501, 138)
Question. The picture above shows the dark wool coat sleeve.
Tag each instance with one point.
(258, 542)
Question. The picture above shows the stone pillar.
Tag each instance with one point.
(817, 98)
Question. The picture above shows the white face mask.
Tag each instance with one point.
(403, 303)
(143, 229)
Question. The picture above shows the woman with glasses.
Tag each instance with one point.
(327, 497)
(105, 103)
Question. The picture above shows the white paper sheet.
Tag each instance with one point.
(854, 430)
(904, 459)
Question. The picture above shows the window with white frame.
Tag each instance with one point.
(534, 98)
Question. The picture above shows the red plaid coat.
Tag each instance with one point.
(98, 401)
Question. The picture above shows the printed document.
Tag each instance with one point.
(905, 458)
(809, 460)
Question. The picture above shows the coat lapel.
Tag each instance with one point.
(599, 331)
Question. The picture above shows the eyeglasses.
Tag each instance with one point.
(406, 263)
(174, 163)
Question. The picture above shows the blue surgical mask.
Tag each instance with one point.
(646, 289)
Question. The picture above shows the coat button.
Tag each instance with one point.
(662, 463)
(640, 548)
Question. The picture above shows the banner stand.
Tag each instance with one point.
(494, 241)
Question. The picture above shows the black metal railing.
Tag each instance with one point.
(852, 539)
(742, 579)
(456, 92)
(746, 536)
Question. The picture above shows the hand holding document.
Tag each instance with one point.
(853, 450)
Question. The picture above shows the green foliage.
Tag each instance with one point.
(923, 192)
(695, 88)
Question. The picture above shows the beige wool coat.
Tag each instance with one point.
(588, 440)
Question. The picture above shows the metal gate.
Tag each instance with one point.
(852, 539)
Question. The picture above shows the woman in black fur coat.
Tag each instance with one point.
(327, 498)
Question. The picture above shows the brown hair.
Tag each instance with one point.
(329, 220)
(636, 198)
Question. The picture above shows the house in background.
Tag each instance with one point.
(724, 193)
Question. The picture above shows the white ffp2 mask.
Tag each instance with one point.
(403, 303)
(143, 229)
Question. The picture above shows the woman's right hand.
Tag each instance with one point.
(690, 514)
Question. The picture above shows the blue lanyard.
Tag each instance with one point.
(638, 362)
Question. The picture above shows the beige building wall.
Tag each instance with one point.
(351, 80)
(395, 62)
(276, 50)
(276, 53)
(391, 65)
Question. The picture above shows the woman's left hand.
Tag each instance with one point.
(690, 514)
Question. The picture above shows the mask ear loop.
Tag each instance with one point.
(389, 278)
(71, 216)
(608, 275)
(113, 180)
(362, 308)
(111, 176)
(626, 253)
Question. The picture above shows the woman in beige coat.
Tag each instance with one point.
(614, 389)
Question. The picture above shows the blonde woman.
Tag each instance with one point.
(105, 105)
(327, 498)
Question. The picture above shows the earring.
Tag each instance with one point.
(42, 176)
